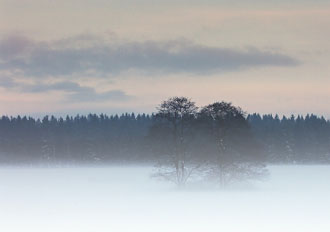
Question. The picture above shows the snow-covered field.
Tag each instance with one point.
(293, 199)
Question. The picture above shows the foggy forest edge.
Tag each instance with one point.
(133, 138)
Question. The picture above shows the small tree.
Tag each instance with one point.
(236, 154)
(172, 131)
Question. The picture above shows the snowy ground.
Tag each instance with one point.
(295, 198)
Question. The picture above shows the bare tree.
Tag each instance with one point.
(236, 155)
(176, 115)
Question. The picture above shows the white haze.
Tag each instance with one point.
(293, 199)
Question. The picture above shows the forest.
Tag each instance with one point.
(148, 138)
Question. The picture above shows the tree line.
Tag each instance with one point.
(179, 133)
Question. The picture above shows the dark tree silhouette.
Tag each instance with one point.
(236, 156)
(175, 118)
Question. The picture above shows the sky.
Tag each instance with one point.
(96, 56)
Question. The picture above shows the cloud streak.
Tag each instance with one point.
(87, 54)
(73, 92)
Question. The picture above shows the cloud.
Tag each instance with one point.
(74, 92)
(85, 54)
(13, 45)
